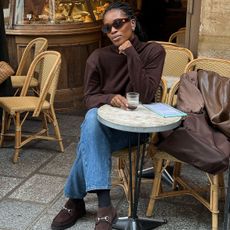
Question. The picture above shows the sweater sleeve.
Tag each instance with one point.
(145, 77)
(93, 96)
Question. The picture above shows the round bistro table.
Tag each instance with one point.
(141, 120)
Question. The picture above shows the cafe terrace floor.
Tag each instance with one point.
(31, 191)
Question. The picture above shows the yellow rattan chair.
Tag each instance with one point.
(20, 107)
(178, 37)
(121, 156)
(34, 47)
(163, 159)
(176, 60)
(164, 43)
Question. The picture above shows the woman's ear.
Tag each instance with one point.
(133, 24)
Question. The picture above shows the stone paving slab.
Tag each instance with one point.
(31, 191)
(7, 184)
(62, 163)
(70, 125)
(30, 161)
(17, 215)
(39, 188)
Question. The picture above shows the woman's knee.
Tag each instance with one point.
(90, 122)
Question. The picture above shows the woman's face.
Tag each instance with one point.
(125, 32)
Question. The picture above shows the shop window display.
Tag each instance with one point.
(57, 11)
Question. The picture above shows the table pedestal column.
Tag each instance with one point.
(133, 222)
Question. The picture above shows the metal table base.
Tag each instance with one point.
(140, 121)
(128, 223)
(133, 222)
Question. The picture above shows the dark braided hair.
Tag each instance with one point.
(128, 10)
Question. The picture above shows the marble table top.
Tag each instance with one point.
(141, 120)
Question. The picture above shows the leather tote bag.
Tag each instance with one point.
(198, 144)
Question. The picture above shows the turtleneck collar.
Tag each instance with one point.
(135, 42)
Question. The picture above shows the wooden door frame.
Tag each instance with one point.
(193, 25)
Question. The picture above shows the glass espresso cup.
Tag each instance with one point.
(133, 100)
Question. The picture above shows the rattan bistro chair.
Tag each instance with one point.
(164, 43)
(19, 107)
(176, 60)
(163, 159)
(178, 37)
(34, 47)
(122, 156)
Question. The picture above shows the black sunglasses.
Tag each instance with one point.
(117, 24)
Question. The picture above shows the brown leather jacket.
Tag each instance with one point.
(203, 138)
(210, 91)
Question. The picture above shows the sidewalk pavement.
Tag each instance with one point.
(31, 191)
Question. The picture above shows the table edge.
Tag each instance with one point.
(138, 129)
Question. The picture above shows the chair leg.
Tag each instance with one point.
(3, 130)
(155, 187)
(17, 137)
(121, 167)
(133, 183)
(17, 92)
(44, 123)
(214, 201)
(56, 129)
(8, 121)
(176, 173)
(221, 186)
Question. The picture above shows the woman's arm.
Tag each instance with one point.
(93, 95)
(145, 77)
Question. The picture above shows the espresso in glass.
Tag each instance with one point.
(133, 100)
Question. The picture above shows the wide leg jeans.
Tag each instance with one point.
(92, 167)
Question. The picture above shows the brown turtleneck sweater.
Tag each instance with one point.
(109, 73)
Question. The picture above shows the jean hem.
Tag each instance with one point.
(72, 197)
(92, 188)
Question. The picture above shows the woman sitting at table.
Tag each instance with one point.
(126, 65)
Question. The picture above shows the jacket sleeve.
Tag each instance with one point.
(145, 77)
(93, 96)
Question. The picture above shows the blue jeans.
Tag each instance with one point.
(92, 167)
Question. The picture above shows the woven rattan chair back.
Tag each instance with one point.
(51, 59)
(219, 66)
(164, 43)
(160, 95)
(176, 60)
(34, 47)
(49, 64)
(178, 37)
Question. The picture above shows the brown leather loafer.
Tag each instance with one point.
(70, 213)
(105, 218)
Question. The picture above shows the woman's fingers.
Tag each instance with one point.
(119, 101)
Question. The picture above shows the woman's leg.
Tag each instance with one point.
(91, 172)
(92, 167)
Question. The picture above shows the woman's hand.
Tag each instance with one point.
(119, 101)
(124, 46)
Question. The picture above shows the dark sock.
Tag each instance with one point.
(104, 199)
(76, 200)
